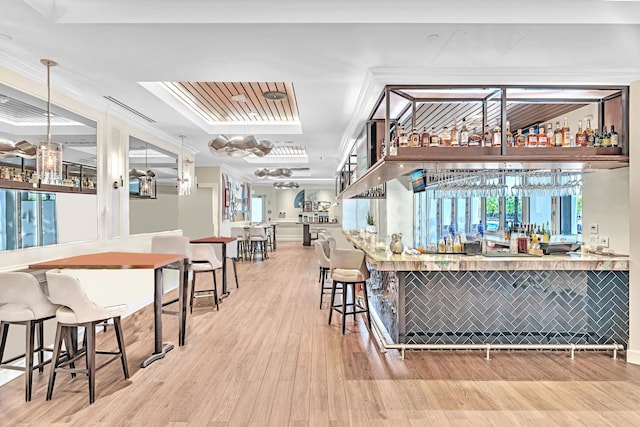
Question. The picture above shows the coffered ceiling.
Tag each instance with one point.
(160, 57)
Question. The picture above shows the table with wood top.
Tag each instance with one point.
(216, 240)
(137, 260)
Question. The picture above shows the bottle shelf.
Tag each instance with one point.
(18, 185)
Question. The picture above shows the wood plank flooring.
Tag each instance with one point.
(268, 358)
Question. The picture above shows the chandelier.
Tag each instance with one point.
(282, 185)
(146, 179)
(48, 153)
(184, 183)
(240, 146)
(274, 173)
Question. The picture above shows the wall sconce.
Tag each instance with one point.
(118, 183)
(184, 183)
(48, 153)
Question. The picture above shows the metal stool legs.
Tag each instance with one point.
(214, 290)
(347, 308)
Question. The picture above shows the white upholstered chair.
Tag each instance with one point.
(22, 302)
(77, 310)
(204, 260)
(348, 268)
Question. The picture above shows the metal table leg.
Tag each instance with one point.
(158, 350)
(224, 272)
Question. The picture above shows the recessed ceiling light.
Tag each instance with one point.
(252, 114)
(4, 99)
(241, 97)
(274, 95)
(433, 37)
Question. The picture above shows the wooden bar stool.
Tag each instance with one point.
(348, 268)
(22, 302)
(77, 310)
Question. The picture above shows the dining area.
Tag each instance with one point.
(79, 295)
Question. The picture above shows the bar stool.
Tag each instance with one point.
(77, 310)
(258, 237)
(232, 254)
(22, 302)
(322, 254)
(204, 260)
(347, 268)
(242, 237)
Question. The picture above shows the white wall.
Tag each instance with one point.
(77, 217)
(605, 202)
(573, 117)
(196, 213)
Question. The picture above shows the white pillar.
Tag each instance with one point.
(633, 353)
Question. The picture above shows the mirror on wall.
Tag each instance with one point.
(29, 217)
(153, 196)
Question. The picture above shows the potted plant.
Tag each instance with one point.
(371, 223)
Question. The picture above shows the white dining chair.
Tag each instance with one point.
(23, 302)
(77, 310)
(204, 260)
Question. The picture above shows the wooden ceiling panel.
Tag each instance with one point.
(213, 101)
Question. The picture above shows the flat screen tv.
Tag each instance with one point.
(134, 186)
(417, 180)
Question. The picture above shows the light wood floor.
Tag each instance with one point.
(268, 357)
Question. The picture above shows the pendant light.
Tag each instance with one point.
(184, 183)
(147, 181)
(49, 153)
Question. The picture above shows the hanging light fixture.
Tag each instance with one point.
(49, 153)
(184, 183)
(147, 180)
(283, 185)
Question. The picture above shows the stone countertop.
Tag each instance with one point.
(382, 260)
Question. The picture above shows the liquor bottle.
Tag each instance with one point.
(497, 135)
(581, 136)
(557, 136)
(591, 135)
(532, 138)
(475, 140)
(598, 138)
(445, 137)
(487, 138)
(606, 137)
(614, 137)
(550, 137)
(520, 139)
(566, 134)
(424, 138)
(543, 140)
(403, 139)
(435, 139)
(464, 134)
(455, 142)
(509, 135)
(414, 141)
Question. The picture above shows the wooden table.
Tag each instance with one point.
(215, 240)
(136, 260)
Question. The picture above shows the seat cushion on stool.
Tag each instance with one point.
(66, 315)
(203, 266)
(347, 275)
(18, 312)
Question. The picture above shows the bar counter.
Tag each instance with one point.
(463, 299)
(382, 260)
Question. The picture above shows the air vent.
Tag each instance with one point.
(126, 107)
(299, 169)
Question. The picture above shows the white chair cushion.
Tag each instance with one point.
(347, 275)
(18, 312)
(203, 266)
(66, 315)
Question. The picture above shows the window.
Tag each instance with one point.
(256, 209)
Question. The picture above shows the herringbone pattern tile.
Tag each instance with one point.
(517, 307)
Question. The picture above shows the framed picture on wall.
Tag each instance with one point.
(308, 206)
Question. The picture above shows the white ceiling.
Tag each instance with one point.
(337, 54)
